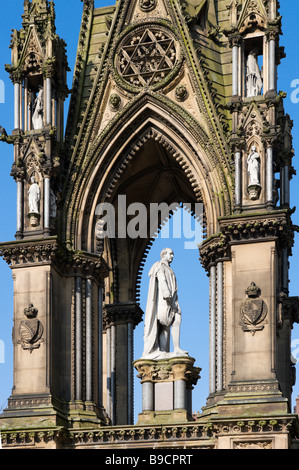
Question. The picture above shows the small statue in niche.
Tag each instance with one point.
(34, 196)
(253, 165)
(254, 79)
(38, 110)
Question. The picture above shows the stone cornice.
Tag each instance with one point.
(259, 226)
(38, 252)
(245, 228)
(201, 433)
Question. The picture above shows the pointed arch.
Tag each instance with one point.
(112, 149)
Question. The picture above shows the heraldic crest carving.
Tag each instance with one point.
(253, 310)
(31, 330)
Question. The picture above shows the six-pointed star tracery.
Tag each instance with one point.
(146, 58)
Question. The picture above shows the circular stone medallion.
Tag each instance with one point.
(147, 57)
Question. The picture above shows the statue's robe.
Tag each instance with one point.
(158, 312)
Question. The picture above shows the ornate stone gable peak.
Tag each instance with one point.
(42, 15)
(142, 10)
(253, 16)
(32, 54)
(253, 113)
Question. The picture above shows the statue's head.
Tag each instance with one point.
(33, 180)
(253, 148)
(167, 255)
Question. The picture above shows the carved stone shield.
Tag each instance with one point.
(252, 311)
(31, 330)
(253, 314)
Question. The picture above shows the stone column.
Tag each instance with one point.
(148, 396)
(47, 196)
(121, 319)
(272, 62)
(235, 45)
(238, 179)
(219, 326)
(78, 338)
(48, 101)
(269, 174)
(235, 88)
(212, 331)
(100, 345)
(20, 210)
(17, 97)
(130, 372)
(26, 104)
(108, 366)
(180, 395)
(88, 340)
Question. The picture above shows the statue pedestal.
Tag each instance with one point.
(167, 389)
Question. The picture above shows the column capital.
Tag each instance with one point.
(168, 370)
(235, 40)
(122, 313)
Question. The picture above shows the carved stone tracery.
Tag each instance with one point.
(147, 56)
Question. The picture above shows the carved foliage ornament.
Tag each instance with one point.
(31, 330)
(146, 56)
(253, 310)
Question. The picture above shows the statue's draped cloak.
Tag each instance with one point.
(162, 285)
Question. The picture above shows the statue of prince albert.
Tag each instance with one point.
(163, 312)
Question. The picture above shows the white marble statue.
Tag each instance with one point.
(38, 111)
(253, 164)
(163, 312)
(34, 195)
(254, 80)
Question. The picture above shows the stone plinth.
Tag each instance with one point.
(167, 389)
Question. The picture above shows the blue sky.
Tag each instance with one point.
(192, 281)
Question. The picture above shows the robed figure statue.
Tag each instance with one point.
(254, 76)
(163, 313)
